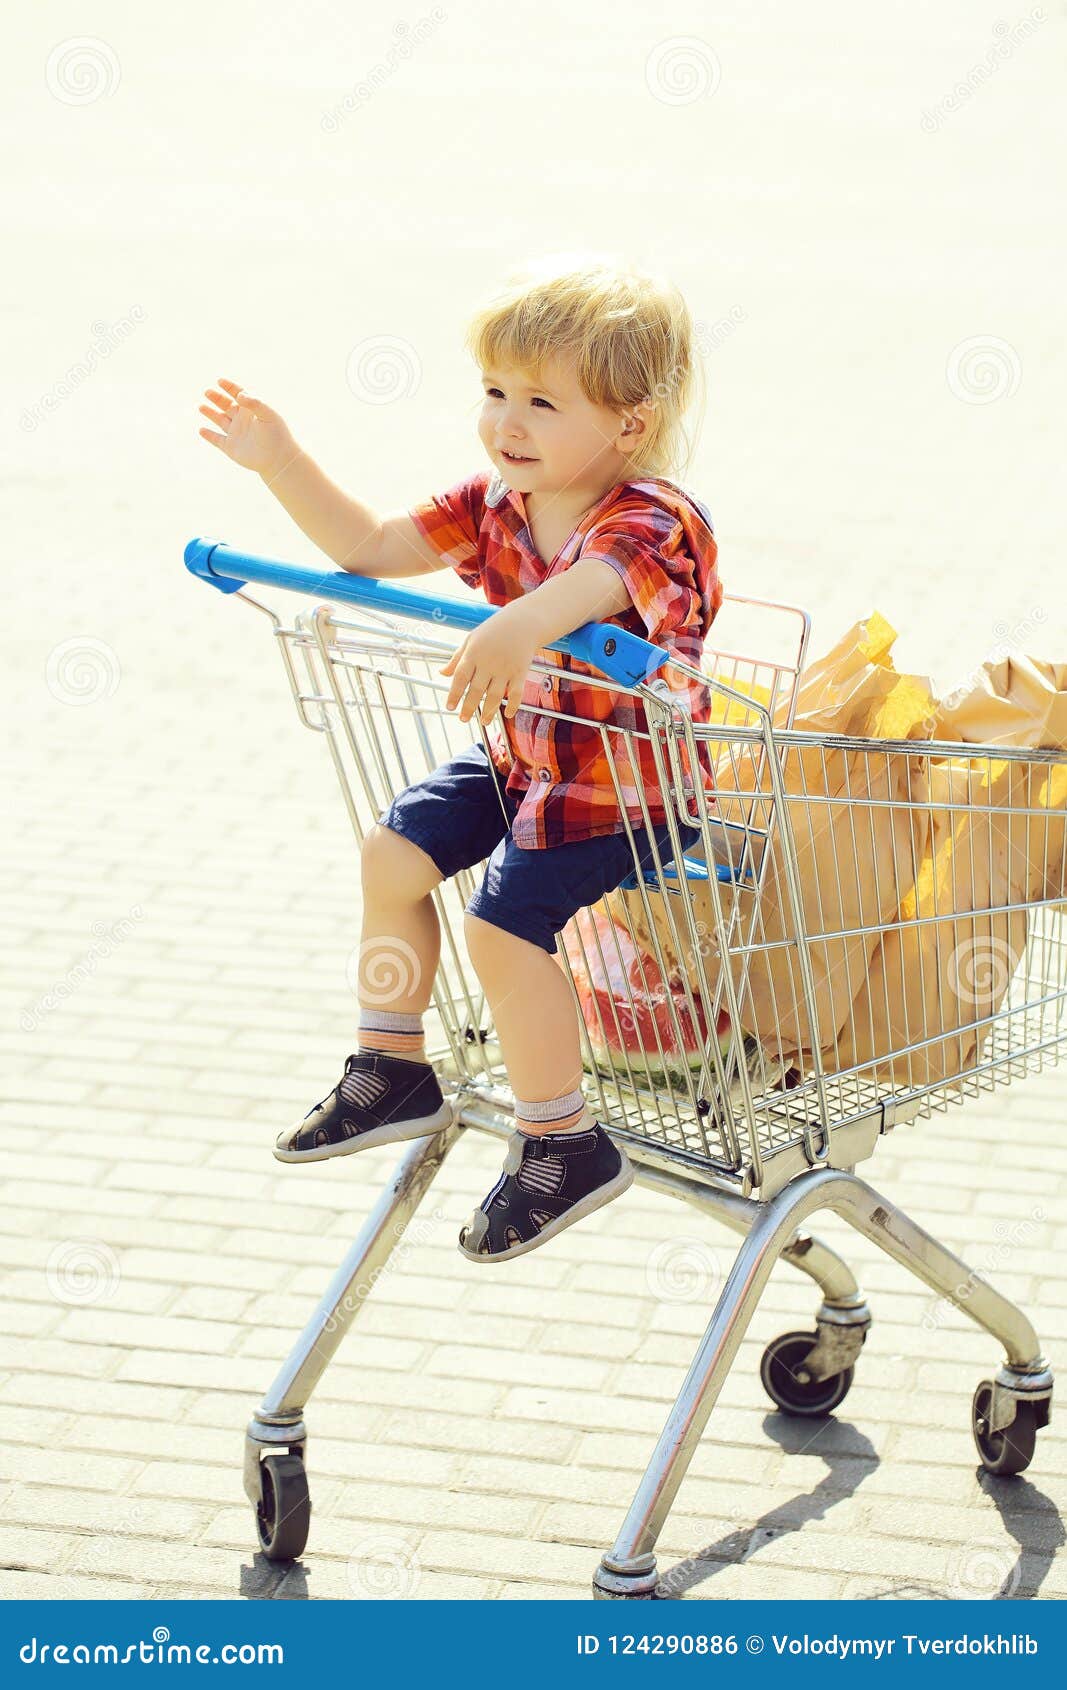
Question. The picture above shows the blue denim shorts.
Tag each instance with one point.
(460, 815)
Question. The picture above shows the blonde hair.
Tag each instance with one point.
(629, 333)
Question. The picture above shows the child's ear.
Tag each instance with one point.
(634, 424)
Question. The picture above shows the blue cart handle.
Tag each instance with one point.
(625, 658)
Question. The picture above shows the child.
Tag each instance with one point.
(587, 374)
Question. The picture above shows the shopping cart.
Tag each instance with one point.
(761, 1122)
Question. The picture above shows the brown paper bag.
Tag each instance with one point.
(940, 971)
(1012, 701)
(950, 837)
(851, 858)
(1008, 845)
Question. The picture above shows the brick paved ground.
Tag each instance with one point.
(480, 1434)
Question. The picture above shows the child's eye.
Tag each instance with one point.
(493, 393)
(545, 402)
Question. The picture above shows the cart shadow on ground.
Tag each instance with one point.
(983, 1566)
(1029, 1516)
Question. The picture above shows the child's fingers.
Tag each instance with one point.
(460, 655)
(460, 681)
(238, 395)
(475, 693)
(494, 693)
(515, 689)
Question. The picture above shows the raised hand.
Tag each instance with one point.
(252, 434)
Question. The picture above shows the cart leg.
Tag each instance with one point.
(629, 1570)
(1008, 1410)
(274, 1479)
(843, 1319)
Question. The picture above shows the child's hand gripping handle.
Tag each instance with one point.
(622, 657)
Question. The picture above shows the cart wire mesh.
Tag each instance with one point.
(866, 929)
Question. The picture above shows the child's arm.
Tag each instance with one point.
(348, 531)
(494, 660)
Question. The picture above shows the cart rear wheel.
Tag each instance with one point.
(283, 1512)
(1009, 1451)
(786, 1383)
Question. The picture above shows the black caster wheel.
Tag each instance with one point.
(785, 1382)
(1011, 1450)
(283, 1512)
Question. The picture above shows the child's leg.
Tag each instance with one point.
(400, 943)
(561, 1165)
(536, 1022)
(388, 1093)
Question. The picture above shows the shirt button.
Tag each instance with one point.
(546, 684)
(544, 774)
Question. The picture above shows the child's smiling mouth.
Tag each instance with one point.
(515, 457)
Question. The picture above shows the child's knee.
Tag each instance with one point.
(478, 933)
(493, 949)
(484, 941)
(394, 870)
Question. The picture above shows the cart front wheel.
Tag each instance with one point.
(1011, 1450)
(788, 1385)
(283, 1512)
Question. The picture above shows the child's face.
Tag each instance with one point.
(543, 435)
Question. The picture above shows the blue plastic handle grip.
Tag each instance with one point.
(625, 658)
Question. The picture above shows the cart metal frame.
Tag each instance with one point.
(724, 1136)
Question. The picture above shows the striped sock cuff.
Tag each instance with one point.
(390, 1034)
(555, 1115)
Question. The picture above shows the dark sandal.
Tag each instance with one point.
(379, 1099)
(547, 1184)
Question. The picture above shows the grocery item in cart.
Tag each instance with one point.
(851, 857)
(1014, 700)
(916, 860)
(937, 992)
(634, 1014)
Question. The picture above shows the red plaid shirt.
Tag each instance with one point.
(659, 540)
